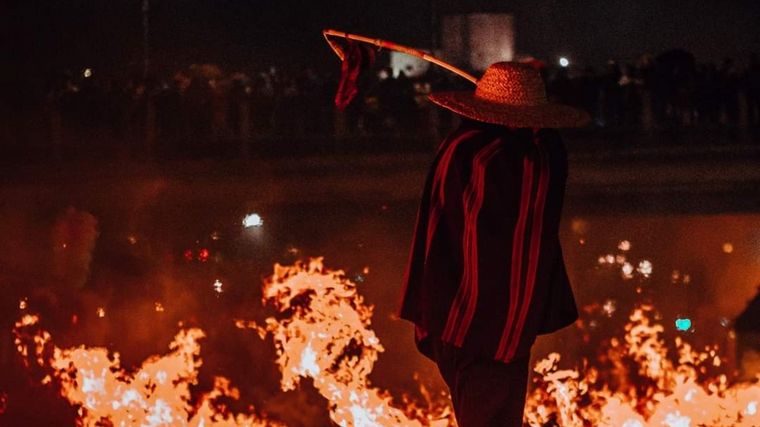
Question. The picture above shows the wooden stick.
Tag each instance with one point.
(393, 46)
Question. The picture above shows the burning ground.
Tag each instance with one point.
(321, 331)
(133, 278)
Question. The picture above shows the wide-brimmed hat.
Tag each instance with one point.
(511, 94)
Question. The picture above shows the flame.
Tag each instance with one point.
(324, 334)
(157, 394)
(657, 391)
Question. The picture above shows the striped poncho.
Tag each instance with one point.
(486, 272)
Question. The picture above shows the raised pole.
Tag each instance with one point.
(393, 46)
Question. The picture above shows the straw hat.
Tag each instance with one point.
(511, 94)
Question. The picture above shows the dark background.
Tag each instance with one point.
(43, 35)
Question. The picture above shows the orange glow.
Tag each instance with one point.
(662, 390)
(323, 333)
(156, 394)
(328, 339)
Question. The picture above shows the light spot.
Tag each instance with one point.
(253, 220)
(675, 419)
(627, 270)
(609, 307)
(645, 268)
(751, 408)
(683, 324)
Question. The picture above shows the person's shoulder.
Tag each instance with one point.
(471, 138)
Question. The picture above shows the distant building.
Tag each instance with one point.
(411, 66)
(477, 40)
(747, 327)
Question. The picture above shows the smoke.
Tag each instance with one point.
(73, 239)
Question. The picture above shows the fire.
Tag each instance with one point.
(653, 389)
(324, 334)
(322, 331)
(157, 394)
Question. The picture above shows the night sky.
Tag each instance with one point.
(250, 34)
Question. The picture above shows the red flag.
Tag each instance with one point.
(356, 58)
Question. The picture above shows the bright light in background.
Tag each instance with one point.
(609, 307)
(728, 247)
(87, 73)
(563, 62)
(218, 286)
(252, 220)
(203, 255)
(627, 270)
(410, 65)
(683, 324)
(645, 268)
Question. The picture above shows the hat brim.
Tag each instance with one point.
(538, 116)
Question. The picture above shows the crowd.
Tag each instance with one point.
(204, 105)
(671, 90)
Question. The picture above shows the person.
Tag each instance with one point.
(752, 78)
(486, 273)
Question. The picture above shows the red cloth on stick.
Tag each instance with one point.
(356, 58)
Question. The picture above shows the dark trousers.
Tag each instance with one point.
(485, 392)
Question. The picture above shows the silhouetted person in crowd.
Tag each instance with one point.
(560, 88)
(588, 87)
(612, 98)
(404, 104)
(707, 95)
(752, 84)
(729, 93)
(630, 94)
